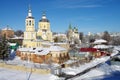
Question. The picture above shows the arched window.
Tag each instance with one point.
(33, 23)
(29, 22)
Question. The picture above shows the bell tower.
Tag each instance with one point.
(30, 33)
(30, 22)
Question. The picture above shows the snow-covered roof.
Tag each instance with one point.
(17, 37)
(47, 43)
(87, 53)
(61, 43)
(42, 51)
(7, 28)
(100, 41)
(24, 49)
(12, 44)
(32, 49)
(70, 61)
(56, 48)
(101, 46)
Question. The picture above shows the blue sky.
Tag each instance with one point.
(88, 15)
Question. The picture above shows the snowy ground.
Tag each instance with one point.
(100, 73)
(13, 74)
(7, 74)
(75, 70)
(104, 72)
(95, 74)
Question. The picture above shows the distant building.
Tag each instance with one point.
(114, 34)
(89, 34)
(61, 37)
(7, 32)
(33, 37)
(72, 33)
(61, 40)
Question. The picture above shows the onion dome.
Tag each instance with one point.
(7, 28)
(30, 13)
(44, 19)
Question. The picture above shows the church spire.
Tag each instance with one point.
(44, 15)
(29, 12)
(70, 26)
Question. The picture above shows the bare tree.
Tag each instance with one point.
(106, 36)
(81, 35)
(115, 40)
(96, 36)
(18, 33)
(56, 39)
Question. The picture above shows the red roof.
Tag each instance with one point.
(88, 49)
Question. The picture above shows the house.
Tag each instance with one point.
(53, 54)
(102, 46)
(7, 32)
(92, 51)
(58, 54)
(100, 41)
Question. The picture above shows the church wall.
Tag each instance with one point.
(52, 56)
(28, 43)
(44, 25)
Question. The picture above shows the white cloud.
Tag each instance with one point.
(80, 3)
(82, 6)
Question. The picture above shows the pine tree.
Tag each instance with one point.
(4, 48)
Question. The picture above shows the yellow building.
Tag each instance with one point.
(33, 38)
(73, 33)
(44, 29)
(54, 54)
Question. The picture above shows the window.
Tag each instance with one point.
(30, 23)
(27, 23)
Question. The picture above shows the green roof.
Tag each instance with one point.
(70, 27)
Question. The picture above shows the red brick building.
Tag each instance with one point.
(54, 54)
(7, 32)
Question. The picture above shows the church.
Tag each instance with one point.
(34, 37)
